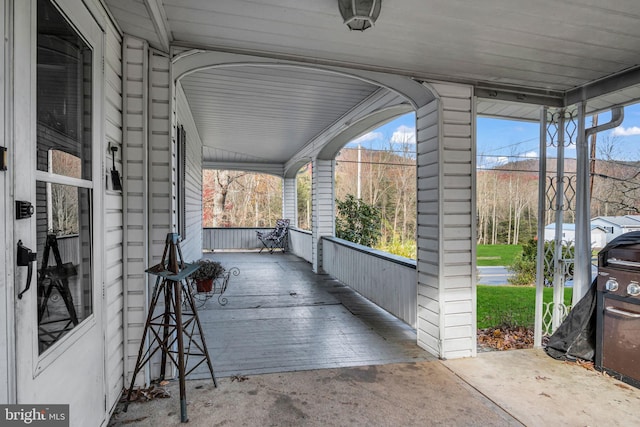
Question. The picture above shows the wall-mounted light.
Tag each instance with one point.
(3, 158)
(359, 14)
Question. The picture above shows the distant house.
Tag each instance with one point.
(568, 232)
(600, 236)
(617, 225)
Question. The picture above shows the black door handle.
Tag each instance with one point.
(25, 258)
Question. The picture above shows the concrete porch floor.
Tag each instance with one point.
(293, 348)
(513, 388)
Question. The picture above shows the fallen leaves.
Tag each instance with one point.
(145, 394)
(505, 338)
(586, 364)
(239, 378)
(623, 386)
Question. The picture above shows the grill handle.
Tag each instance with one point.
(621, 262)
(623, 312)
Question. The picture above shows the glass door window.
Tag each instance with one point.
(64, 187)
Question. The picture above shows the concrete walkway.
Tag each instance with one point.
(540, 391)
(293, 348)
(514, 388)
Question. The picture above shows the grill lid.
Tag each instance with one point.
(623, 251)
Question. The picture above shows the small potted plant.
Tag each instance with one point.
(205, 275)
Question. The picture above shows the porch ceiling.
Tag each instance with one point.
(539, 52)
(259, 114)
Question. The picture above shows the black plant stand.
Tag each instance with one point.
(169, 329)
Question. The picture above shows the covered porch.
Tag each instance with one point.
(159, 90)
(282, 317)
(295, 348)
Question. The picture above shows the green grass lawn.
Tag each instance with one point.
(514, 305)
(490, 255)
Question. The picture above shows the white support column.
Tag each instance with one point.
(148, 184)
(162, 191)
(582, 250)
(446, 323)
(290, 200)
(322, 194)
(135, 195)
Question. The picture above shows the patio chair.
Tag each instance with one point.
(278, 238)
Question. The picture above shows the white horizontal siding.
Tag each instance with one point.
(446, 244)
(162, 211)
(391, 285)
(192, 243)
(161, 194)
(428, 267)
(322, 173)
(289, 200)
(114, 222)
(135, 99)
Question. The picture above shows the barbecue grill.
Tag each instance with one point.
(618, 309)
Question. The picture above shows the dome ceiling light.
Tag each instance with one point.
(359, 15)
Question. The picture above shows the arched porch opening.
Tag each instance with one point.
(445, 275)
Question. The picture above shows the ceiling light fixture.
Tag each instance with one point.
(359, 15)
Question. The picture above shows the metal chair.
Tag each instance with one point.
(278, 238)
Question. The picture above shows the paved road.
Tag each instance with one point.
(493, 275)
(499, 276)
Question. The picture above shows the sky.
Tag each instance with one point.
(499, 140)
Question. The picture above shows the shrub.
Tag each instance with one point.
(524, 267)
(398, 247)
(357, 221)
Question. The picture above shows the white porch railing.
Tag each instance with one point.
(69, 249)
(231, 238)
(388, 280)
(300, 243)
(214, 238)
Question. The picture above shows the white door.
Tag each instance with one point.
(57, 100)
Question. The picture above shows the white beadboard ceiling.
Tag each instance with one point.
(262, 111)
(527, 49)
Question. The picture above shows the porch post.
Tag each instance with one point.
(149, 187)
(135, 53)
(322, 195)
(290, 200)
(582, 254)
(446, 266)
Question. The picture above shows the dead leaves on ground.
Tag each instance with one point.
(505, 338)
(145, 394)
(586, 364)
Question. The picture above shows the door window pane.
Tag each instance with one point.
(64, 144)
(65, 290)
(64, 93)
